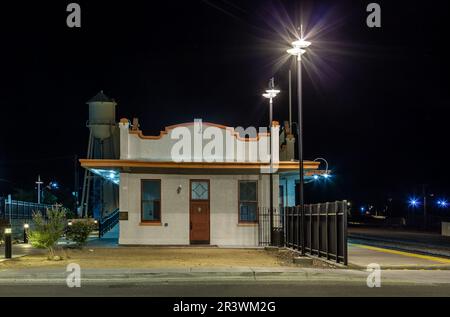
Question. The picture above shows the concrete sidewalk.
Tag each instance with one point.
(361, 255)
(409, 241)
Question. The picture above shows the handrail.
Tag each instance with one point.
(107, 223)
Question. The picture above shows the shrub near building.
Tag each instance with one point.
(79, 231)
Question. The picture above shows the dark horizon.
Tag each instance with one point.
(377, 107)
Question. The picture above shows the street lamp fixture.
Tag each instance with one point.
(327, 171)
(298, 49)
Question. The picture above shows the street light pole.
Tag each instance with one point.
(298, 49)
(300, 148)
(424, 193)
(270, 94)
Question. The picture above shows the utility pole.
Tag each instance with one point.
(424, 193)
(290, 100)
(39, 183)
(75, 183)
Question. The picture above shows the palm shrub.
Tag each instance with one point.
(47, 232)
(79, 232)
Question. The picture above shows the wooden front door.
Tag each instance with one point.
(199, 212)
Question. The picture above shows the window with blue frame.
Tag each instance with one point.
(248, 201)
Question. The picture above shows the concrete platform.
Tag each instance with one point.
(362, 255)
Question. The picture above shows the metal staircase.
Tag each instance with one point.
(107, 223)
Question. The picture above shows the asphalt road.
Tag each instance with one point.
(228, 289)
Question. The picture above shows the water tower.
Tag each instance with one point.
(100, 196)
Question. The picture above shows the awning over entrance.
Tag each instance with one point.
(108, 168)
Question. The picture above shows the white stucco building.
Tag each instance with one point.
(195, 183)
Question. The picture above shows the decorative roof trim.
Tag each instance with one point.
(209, 124)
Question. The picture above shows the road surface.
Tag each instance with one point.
(228, 289)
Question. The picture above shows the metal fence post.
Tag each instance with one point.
(327, 230)
(319, 208)
(344, 230)
(336, 228)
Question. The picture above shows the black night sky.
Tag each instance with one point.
(376, 101)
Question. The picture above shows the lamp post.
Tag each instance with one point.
(26, 226)
(8, 243)
(270, 94)
(298, 49)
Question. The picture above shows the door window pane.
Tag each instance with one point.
(199, 190)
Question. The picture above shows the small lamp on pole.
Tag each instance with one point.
(26, 227)
(8, 243)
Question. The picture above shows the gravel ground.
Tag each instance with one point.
(149, 257)
(159, 257)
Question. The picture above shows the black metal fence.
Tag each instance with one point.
(15, 209)
(265, 238)
(320, 231)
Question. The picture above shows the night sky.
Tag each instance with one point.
(376, 101)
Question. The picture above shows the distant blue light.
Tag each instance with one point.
(54, 185)
(326, 175)
(413, 202)
(443, 203)
(316, 177)
(363, 209)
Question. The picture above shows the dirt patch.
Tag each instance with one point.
(286, 258)
(163, 257)
(148, 257)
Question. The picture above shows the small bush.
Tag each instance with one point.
(79, 232)
(47, 232)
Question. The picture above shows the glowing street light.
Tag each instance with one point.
(298, 49)
(442, 203)
(54, 185)
(413, 202)
(270, 94)
(327, 172)
(26, 226)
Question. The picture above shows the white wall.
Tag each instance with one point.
(224, 226)
(234, 148)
